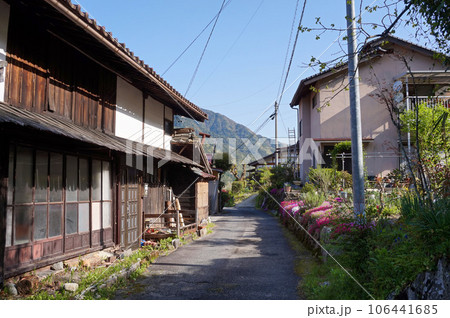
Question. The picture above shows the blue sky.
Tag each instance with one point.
(241, 70)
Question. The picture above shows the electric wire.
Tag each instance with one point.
(231, 47)
(204, 49)
(293, 52)
(195, 39)
(288, 47)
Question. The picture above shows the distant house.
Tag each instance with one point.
(286, 156)
(324, 102)
(85, 137)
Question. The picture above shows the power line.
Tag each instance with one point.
(204, 49)
(288, 47)
(243, 98)
(285, 80)
(255, 132)
(232, 46)
(293, 51)
(195, 39)
(282, 121)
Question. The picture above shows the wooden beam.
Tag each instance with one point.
(4, 156)
(164, 215)
(178, 223)
(182, 149)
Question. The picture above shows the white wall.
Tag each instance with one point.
(154, 123)
(130, 117)
(4, 21)
(129, 111)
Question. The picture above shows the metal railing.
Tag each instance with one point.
(431, 101)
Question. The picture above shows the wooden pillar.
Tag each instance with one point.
(177, 211)
(196, 204)
(4, 155)
(178, 222)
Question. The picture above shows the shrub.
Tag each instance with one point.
(313, 199)
(308, 187)
(322, 178)
(263, 175)
(260, 198)
(343, 180)
(237, 186)
(226, 198)
(281, 175)
(409, 206)
(433, 225)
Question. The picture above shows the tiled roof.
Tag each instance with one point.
(92, 23)
(365, 51)
(64, 127)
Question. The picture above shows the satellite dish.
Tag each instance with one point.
(398, 85)
(398, 98)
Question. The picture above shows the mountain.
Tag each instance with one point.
(220, 126)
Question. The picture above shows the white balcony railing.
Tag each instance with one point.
(430, 101)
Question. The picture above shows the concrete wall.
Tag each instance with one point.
(4, 22)
(213, 194)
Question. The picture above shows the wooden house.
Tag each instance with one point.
(195, 201)
(85, 130)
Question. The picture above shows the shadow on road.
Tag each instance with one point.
(247, 257)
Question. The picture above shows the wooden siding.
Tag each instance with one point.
(45, 74)
(201, 201)
(3, 198)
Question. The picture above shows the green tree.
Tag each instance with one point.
(436, 14)
(433, 132)
(223, 163)
(339, 148)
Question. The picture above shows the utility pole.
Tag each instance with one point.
(355, 114)
(276, 133)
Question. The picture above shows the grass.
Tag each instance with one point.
(239, 197)
(209, 227)
(305, 263)
(88, 277)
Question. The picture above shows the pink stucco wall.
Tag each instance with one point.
(333, 121)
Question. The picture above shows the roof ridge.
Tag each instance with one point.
(337, 68)
(76, 9)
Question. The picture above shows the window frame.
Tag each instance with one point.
(12, 207)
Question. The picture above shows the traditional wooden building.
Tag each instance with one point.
(84, 125)
(195, 201)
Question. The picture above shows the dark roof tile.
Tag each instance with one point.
(108, 35)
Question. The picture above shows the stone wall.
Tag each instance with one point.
(433, 285)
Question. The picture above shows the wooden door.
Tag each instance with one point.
(130, 214)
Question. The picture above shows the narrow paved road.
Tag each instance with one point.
(247, 257)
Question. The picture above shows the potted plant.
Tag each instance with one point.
(287, 187)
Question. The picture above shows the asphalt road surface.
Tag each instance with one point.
(247, 257)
